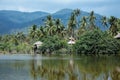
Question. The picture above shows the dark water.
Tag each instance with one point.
(28, 67)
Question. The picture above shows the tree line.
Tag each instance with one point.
(55, 35)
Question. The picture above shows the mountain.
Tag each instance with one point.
(11, 20)
(65, 14)
(15, 20)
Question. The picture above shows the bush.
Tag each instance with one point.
(52, 43)
(96, 42)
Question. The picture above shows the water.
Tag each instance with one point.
(28, 67)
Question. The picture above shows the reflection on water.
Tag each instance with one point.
(58, 68)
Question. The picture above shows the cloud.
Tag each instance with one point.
(104, 7)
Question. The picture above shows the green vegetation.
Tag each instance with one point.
(52, 44)
(54, 35)
(97, 42)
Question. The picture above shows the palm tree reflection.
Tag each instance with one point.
(70, 69)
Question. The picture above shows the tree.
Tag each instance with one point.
(92, 19)
(33, 30)
(96, 42)
(42, 32)
(104, 21)
(83, 25)
(52, 43)
(20, 36)
(76, 12)
(72, 25)
(49, 25)
(118, 24)
(113, 25)
(59, 27)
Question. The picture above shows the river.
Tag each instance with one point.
(37, 67)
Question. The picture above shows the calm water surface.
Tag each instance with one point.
(28, 67)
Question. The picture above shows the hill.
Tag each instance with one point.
(15, 20)
(11, 20)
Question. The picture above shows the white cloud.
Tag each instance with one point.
(105, 7)
(23, 9)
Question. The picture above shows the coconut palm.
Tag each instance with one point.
(83, 25)
(48, 21)
(6, 38)
(20, 36)
(32, 33)
(72, 24)
(42, 31)
(113, 25)
(59, 26)
(118, 24)
(76, 12)
(49, 24)
(52, 30)
(104, 21)
(92, 19)
(14, 40)
(63, 33)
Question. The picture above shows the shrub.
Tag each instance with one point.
(52, 43)
(96, 42)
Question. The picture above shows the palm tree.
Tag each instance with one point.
(49, 21)
(92, 19)
(42, 32)
(118, 24)
(113, 25)
(59, 26)
(6, 38)
(104, 21)
(52, 30)
(76, 12)
(49, 24)
(72, 25)
(63, 33)
(33, 31)
(14, 40)
(83, 25)
(20, 36)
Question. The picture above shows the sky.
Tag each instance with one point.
(102, 7)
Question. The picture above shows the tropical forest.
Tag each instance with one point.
(88, 38)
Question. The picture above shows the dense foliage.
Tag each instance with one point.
(55, 36)
(96, 42)
(51, 44)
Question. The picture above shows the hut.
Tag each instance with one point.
(117, 36)
(37, 45)
(71, 40)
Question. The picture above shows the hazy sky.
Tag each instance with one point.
(103, 7)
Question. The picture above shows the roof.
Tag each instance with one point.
(117, 36)
(71, 42)
(38, 43)
(71, 38)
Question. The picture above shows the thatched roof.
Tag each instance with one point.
(117, 36)
(38, 43)
(71, 42)
(71, 38)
